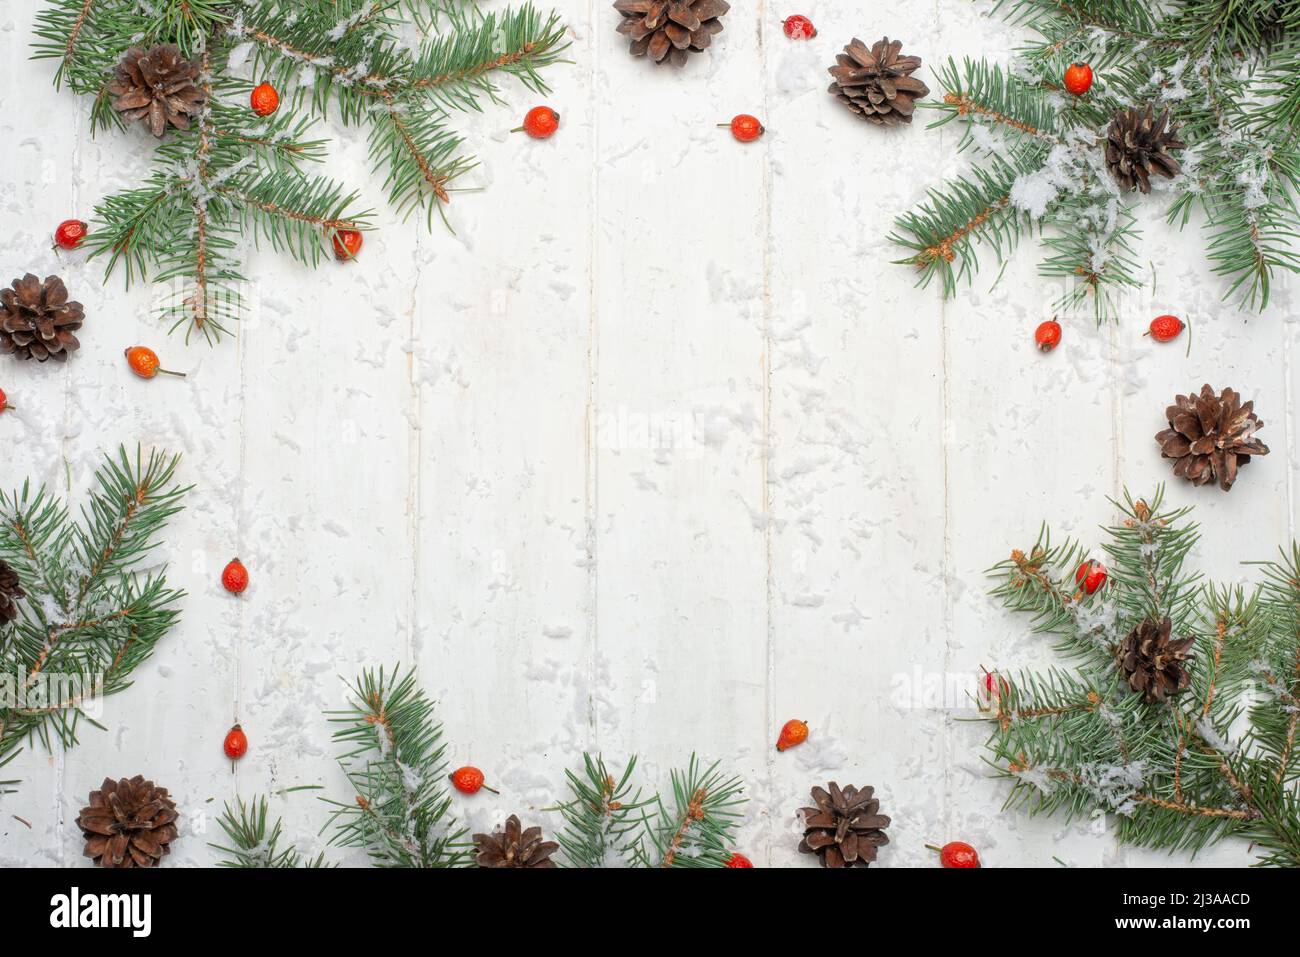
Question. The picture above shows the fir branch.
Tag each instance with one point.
(394, 759)
(697, 828)
(254, 844)
(88, 620)
(1076, 741)
(600, 815)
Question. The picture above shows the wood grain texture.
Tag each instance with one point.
(656, 451)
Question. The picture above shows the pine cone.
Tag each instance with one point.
(1138, 145)
(515, 847)
(10, 591)
(157, 87)
(1152, 664)
(37, 321)
(128, 823)
(1210, 437)
(877, 84)
(670, 30)
(844, 829)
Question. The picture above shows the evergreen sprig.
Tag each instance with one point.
(1227, 73)
(394, 760)
(255, 842)
(90, 615)
(233, 173)
(1176, 773)
(695, 827)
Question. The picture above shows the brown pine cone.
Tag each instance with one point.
(845, 828)
(515, 847)
(157, 87)
(1210, 436)
(10, 591)
(37, 321)
(1138, 144)
(1152, 664)
(668, 31)
(128, 823)
(877, 83)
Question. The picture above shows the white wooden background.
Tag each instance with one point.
(436, 454)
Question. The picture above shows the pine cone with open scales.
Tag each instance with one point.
(668, 31)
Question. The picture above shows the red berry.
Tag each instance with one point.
(959, 854)
(799, 27)
(468, 780)
(1166, 328)
(540, 122)
(1048, 335)
(264, 99)
(1078, 78)
(69, 234)
(793, 732)
(746, 128)
(234, 577)
(236, 743)
(347, 243)
(738, 860)
(1090, 575)
(995, 686)
(144, 363)
(4, 400)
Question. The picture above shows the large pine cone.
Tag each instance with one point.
(1210, 436)
(515, 847)
(10, 591)
(1152, 664)
(670, 30)
(844, 829)
(128, 823)
(37, 321)
(1138, 144)
(877, 84)
(158, 87)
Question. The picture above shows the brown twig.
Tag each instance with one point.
(944, 248)
(75, 32)
(694, 812)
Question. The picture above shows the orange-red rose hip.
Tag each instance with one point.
(1165, 328)
(959, 854)
(793, 732)
(236, 743)
(347, 243)
(144, 363)
(745, 128)
(70, 234)
(1090, 576)
(264, 99)
(799, 27)
(1078, 78)
(234, 577)
(1048, 335)
(739, 860)
(469, 780)
(540, 122)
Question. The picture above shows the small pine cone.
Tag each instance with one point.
(37, 321)
(10, 591)
(1138, 144)
(845, 828)
(157, 87)
(1150, 663)
(128, 823)
(668, 31)
(1210, 436)
(514, 847)
(877, 83)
